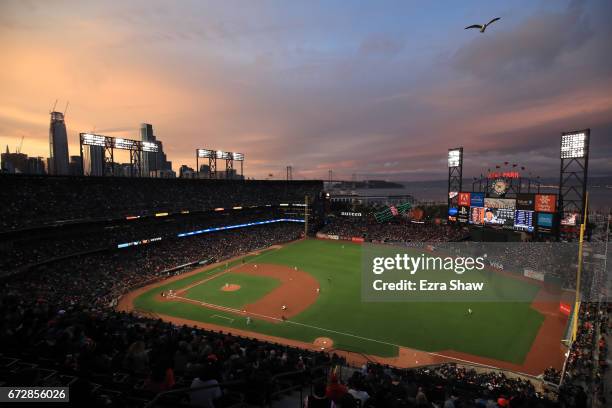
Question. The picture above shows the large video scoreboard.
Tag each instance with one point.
(526, 213)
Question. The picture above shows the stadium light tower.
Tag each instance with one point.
(455, 175)
(100, 151)
(573, 175)
(213, 155)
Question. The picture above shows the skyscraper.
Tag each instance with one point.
(153, 162)
(94, 161)
(149, 159)
(58, 145)
(76, 166)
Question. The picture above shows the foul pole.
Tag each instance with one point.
(579, 274)
(577, 299)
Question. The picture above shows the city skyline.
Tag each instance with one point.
(381, 90)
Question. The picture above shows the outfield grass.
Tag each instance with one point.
(501, 330)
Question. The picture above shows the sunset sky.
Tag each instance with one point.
(377, 88)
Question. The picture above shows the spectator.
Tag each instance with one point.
(136, 360)
(161, 378)
(205, 397)
(318, 398)
(335, 390)
(421, 398)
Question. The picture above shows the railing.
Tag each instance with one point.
(275, 388)
(189, 390)
(307, 377)
(362, 354)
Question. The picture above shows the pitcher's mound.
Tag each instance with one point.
(323, 342)
(230, 287)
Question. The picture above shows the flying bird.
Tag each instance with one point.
(482, 28)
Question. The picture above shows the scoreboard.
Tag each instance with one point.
(523, 220)
(499, 212)
(500, 217)
(526, 212)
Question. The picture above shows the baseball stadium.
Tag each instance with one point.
(297, 204)
(282, 277)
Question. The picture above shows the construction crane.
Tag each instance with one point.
(18, 150)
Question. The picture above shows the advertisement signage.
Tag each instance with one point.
(546, 203)
(464, 199)
(530, 273)
(545, 220)
(463, 214)
(565, 308)
(477, 215)
(505, 203)
(477, 199)
(569, 219)
(525, 202)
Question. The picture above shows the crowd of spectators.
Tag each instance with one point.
(32, 201)
(119, 359)
(554, 262)
(587, 361)
(24, 248)
(448, 385)
(98, 278)
(398, 230)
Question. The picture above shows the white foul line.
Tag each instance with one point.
(232, 310)
(218, 274)
(223, 317)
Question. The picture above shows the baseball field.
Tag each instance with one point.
(309, 293)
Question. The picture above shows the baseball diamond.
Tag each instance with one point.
(336, 311)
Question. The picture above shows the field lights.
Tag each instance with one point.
(574, 145)
(219, 154)
(455, 156)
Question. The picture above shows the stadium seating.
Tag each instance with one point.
(33, 201)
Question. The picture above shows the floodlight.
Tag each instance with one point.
(150, 147)
(574, 145)
(205, 153)
(93, 140)
(455, 157)
(123, 143)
